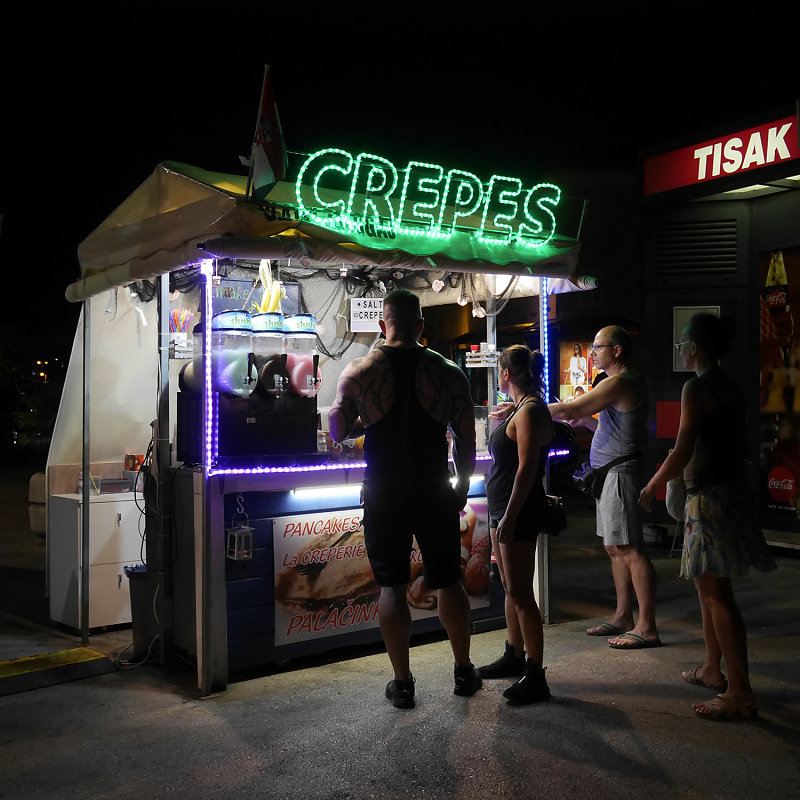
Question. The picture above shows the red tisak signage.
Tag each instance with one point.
(743, 151)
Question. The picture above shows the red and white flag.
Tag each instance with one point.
(269, 161)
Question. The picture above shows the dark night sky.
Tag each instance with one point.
(93, 104)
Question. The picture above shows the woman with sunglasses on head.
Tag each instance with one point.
(515, 491)
(722, 538)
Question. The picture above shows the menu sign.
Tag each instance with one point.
(366, 314)
(324, 584)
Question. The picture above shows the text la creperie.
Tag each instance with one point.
(368, 193)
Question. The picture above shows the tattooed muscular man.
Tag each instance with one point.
(404, 398)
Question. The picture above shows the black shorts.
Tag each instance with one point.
(528, 523)
(391, 521)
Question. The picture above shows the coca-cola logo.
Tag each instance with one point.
(777, 297)
(780, 484)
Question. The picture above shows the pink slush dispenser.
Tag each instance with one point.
(302, 359)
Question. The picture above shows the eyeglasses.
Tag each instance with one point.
(595, 347)
(679, 345)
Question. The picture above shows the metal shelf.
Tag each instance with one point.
(483, 358)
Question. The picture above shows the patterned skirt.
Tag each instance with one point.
(721, 533)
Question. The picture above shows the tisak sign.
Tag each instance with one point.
(740, 152)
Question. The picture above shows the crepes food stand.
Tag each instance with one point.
(250, 517)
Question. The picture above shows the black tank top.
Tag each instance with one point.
(505, 463)
(719, 449)
(406, 448)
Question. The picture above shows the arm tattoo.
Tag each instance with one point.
(377, 396)
(446, 393)
(367, 389)
(346, 393)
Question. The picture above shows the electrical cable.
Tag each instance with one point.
(122, 663)
(184, 280)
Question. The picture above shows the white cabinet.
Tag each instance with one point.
(114, 542)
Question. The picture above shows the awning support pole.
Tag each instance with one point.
(211, 600)
(491, 339)
(87, 479)
(162, 458)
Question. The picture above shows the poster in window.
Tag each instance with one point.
(779, 382)
(577, 370)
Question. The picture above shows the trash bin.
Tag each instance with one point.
(143, 620)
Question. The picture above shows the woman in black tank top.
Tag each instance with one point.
(515, 491)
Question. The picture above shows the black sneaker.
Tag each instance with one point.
(507, 666)
(467, 680)
(401, 693)
(531, 688)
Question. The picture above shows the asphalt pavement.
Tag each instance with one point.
(619, 725)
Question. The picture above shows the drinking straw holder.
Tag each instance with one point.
(180, 344)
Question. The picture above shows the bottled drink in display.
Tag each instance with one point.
(776, 296)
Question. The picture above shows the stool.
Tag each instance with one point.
(677, 539)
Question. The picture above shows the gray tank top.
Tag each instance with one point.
(621, 433)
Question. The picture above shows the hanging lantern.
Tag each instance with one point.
(239, 537)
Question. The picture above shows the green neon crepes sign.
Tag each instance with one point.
(425, 206)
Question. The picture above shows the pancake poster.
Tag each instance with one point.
(323, 581)
(324, 584)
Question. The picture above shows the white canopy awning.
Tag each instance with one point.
(181, 215)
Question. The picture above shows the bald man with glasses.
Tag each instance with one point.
(621, 400)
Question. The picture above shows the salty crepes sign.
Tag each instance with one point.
(366, 314)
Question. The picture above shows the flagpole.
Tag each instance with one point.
(255, 136)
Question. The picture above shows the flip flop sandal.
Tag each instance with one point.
(637, 642)
(723, 707)
(605, 629)
(691, 677)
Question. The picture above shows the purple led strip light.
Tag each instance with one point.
(211, 429)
